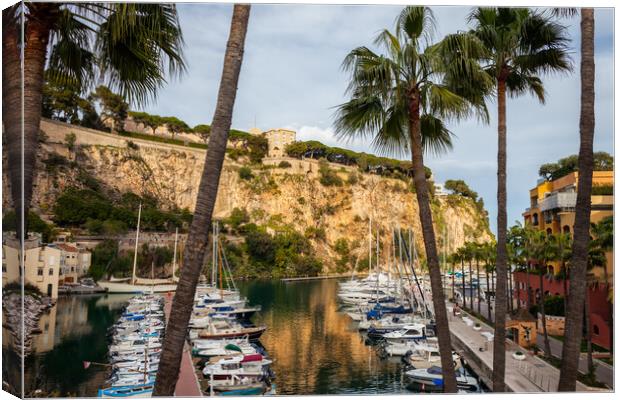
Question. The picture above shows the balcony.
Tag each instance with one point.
(558, 200)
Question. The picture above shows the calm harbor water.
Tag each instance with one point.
(316, 349)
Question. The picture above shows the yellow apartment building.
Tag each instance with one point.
(552, 207)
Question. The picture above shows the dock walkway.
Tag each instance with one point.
(187, 384)
(530, 375)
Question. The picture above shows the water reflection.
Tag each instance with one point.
(316, 349)
(72, 332)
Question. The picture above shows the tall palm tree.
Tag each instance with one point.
(183, 302)
(521, 45)
(581, 227)
(128, 45)
(399, 100)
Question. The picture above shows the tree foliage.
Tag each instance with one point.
(551, 171)
(365, 162)
(100, 214)
(114, 108)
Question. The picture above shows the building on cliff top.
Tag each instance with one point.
(278, 139)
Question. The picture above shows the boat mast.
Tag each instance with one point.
(213, 254)
(174, 255)
(378, 272)
(135, 253)
(220, 271)
(369, 246)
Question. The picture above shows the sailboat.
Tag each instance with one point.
(137, 285)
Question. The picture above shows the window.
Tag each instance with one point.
(39, 271)
(51, 272)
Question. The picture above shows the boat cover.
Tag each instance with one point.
(252, 357)
(232, 347)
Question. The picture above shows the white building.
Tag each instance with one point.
(42, 265)
(46, 266)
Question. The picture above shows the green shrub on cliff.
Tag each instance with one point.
(327, 176)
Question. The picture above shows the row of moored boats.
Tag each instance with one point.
(395, 314)
(135, 348)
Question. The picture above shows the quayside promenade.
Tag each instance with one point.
(187, 385)
(530, 375)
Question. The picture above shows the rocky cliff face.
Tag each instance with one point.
(273, 196)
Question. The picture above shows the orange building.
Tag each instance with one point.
(552, 207)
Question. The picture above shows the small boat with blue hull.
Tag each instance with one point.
(145, 390)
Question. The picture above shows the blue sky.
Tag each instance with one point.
(291, 77)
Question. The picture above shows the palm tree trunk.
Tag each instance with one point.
(573, 329)
(453, 298)
(183, 302)
(478, 285)
(518, 284)
(463, 282)
(426, 219)
(510, 291)
(611, 310)
(499, 343)
(488, 297)
(11, 105)
(529, 288)
(565, 286)
(36, 34)
(541, 303)
(588, 332)
(471, 285)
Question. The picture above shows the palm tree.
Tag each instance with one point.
(478, 256)
(489, 260)
(453, 259)
(581, 227)
(603, 233)
(399, 100)
(197, 240)
(521, 44)
(562, 244)
(462, 256)
(517, 244)
(543, 251)
(596, 258)
(128, 45)
(470, 252)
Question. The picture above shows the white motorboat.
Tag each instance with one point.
(242, 366)
(227, 350)
(408, 332)
(431, 380)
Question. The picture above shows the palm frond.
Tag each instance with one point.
(436, 138)
(126, 46)
(416, 23)
(519, 83)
